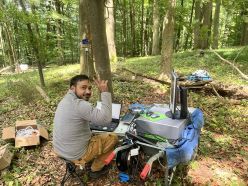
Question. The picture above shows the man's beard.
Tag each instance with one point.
(85, 97)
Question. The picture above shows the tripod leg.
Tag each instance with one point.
(78, 178)
(65, 176)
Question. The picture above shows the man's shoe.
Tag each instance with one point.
(98, 174)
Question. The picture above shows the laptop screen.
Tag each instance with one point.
(116, 109)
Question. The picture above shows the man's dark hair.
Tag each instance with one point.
(78, 78)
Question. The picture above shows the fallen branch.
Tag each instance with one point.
(144, 76)
(228, 62)
(7, 69)
(234, 91)
(42, 93)
(215, 91)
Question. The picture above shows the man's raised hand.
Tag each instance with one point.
(101, 84)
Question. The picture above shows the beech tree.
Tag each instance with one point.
(155, 29)
(197, 24)
(99, 40)
(168, 38)
(206, 24)
(110, 30)
(216, 24)
(86, 57)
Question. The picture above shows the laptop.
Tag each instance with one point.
(109, 127)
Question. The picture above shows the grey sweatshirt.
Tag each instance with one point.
(71, 132)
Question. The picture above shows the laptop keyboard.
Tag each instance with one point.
(107, 127)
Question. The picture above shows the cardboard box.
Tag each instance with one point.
(21, 141)
(5, 157)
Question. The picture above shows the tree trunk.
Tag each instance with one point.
(8, 33)
(146, 33)
(177, 44)
(86, 59)
(142, 29)
(2, 47)
(155, 29)
(124, 29)
(99, 40)
(132, 22)
(168, 38)
(197, 24)
(189, 30)
(16, 41)
(15, 38)
(42, 49)
(110, 30)
(244, 37)
(244, 27)
(206, 26)
(216, 25)
(48, 30)
(34, 42)
(61, 60)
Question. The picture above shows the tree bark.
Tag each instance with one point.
(155, 29)
(206, 26)
(197, 24)
(99, 40)
(61, 60)
(168, 38)
(48, 29)
(124, 28)
(245, 34)
(86, 59)
(147, 44)
(244, 27)
(216, 24)
(110, 30)
(142, 29)
(132, 22)
(2, 47)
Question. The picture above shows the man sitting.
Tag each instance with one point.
(72, 137)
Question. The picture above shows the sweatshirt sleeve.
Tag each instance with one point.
(95, 115)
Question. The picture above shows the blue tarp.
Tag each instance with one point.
(186, 147)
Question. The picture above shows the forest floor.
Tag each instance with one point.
(222, 157)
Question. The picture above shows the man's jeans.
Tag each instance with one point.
(100, 146)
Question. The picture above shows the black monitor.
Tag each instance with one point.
(178, 95)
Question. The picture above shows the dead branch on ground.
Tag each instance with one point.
(145, 76)
(234, 91)
(228, 62)
(42, 93)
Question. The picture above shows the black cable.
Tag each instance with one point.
(136, 167)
